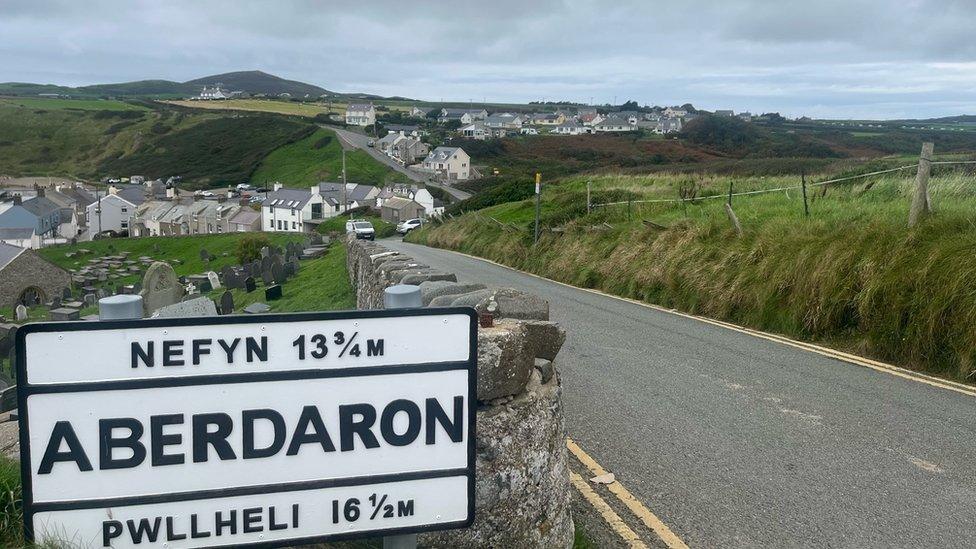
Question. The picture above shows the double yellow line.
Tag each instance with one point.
(630, 502)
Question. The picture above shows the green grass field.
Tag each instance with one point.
(318, 157)
(71, 104)
(851, 274)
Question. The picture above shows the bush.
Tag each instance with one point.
(249, 248)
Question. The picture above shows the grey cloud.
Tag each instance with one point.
(826, 58)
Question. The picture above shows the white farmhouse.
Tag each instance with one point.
(360, 114)
(615, 124)
(289, 210)
(450, 163)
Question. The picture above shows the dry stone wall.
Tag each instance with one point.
(522, 491)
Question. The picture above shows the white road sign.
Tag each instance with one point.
(247, 431)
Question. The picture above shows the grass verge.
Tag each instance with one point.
(850, 275)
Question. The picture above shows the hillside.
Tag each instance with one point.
(848, 275)
(252, 82)
(258, 82)
(94, 139)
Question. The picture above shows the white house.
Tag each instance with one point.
(505, 120)
(290, 210)
(674, 112)
(615, 124)
(476, 130)
(571, 127)
(111, 212)
(432, 206)
(450, 163)
(215, 92)
(360, 114)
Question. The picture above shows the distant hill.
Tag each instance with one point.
(252, 82)
(258, 82)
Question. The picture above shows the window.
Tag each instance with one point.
(294, 225)
(271, 224)
(124, 209)
(279, 224)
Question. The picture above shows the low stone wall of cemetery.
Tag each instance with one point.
(522, 490)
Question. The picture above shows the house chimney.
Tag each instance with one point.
(170, 192)
(278, 186)
(18, 200)
(315, 190)
(230, 193)
(40, 191)
(113, 189)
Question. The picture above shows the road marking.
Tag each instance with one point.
(810, 347)
(608, 514)
(616, 488)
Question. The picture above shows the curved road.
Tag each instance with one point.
(360, 141)
(738, 441)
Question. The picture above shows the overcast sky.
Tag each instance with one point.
(821, 58)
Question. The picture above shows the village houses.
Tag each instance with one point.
(360, 114)
(449, 163)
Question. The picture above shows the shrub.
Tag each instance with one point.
(249, 248)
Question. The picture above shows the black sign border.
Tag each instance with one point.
(24, 390)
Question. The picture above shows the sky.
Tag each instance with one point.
(869, 59)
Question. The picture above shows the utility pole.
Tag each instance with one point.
(345, 206)
(538, 196)
(587, 198)
(98, 209)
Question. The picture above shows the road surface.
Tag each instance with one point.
(361, 141)
(737, 441)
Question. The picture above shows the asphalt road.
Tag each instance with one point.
(361, 141)
(737, 441)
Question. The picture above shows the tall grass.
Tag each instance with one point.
(851, 274)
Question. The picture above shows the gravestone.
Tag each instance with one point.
(160, 287)
(255, 268)
(265, 252)
(198, 306)
(272, 293)
(90, 300)
(55, 302)
(66, 294)
(214, 280)
(64, 313)
(267, 277)
(227, 303)
(266, 263)
(278, 272)
(257, 308)
(249, 284)
(204, 255)
(205, 286)
(20, 312)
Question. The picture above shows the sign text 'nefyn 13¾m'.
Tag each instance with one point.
(247, 431)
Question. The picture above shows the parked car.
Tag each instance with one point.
(364, 229)
(371, 143)
(408, 225)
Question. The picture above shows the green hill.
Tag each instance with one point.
(257, 82)
(318, 157)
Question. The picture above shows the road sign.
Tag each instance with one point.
(257, 431)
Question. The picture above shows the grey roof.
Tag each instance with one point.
(40, 206)
(359, 192)
(16, 233)
(402, 128)
(442, 153)
(399, 203)
(246, 216)
(135, 194)
(288, 198)
(8, 253)
(359, 106)
(449, 112)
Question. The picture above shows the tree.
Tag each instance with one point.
(249, 247)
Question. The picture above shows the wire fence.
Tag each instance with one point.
(779, 189)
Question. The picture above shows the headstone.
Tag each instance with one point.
(200, 306)
(249, 284)
(265, 252)
(160, 287)
(266, 263)
(295, 265)
(257, 308)
(214, 280)
(278, 272)
(90, 300)
(64, 313)
(227, 303)
(20, 313)
(55, 302)
(66, 294)
(205, 287)
(267, 277)
(204, 255)
(272, 293)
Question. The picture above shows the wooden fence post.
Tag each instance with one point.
(920, 200)
(733, 219)
(588, 198)
(803, 183)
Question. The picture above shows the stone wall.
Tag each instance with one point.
(30, 270)
(522, 491)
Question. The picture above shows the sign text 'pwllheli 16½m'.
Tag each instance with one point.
(247, 431)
